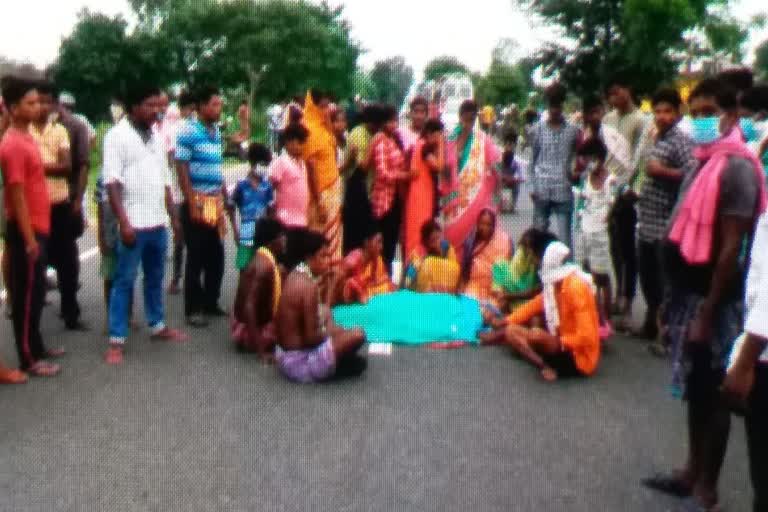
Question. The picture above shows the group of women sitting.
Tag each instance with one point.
(529, 298)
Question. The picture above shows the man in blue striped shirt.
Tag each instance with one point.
(199, 159)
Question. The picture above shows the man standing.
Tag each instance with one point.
(138, 182)
(53, 141)
(703, 314)
(670, 161)
(629, 122)
(67, 102)
(186, 112)
(553, 147)
(746, 384)
(80, 153)
(199, 160)
(28, 214)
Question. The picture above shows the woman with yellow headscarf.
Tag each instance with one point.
(325, 183)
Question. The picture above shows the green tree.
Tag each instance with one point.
(363, 85)
(643, 37)
(99, 59)
(279, 48)
(761, 60)
(392, 78)
(442, 66)
(507, 81)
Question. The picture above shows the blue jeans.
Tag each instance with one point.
(149, 250)
(563, 214)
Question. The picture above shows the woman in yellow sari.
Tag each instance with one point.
(432, 267)
(325, 183)
(488, 245)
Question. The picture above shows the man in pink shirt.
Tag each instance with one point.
(288, 174)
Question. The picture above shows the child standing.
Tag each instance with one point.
(253, 197)
(288, 174)
(511, 178)
(593, 242)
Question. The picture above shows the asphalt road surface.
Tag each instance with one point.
(199, 427)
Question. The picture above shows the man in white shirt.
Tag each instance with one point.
(746, 384)
(138, 182)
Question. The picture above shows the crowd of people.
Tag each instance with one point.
(320, 218)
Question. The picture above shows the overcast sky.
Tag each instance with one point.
(416, 29)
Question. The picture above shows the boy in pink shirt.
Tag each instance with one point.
(288, 174)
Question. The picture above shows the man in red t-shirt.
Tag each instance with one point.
(28, 211)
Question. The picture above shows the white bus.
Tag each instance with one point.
(450, 90)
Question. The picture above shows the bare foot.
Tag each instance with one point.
(548, 374)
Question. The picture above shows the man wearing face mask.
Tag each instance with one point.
(714, 217)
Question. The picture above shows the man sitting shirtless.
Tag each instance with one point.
(311, 348)
(259, 291)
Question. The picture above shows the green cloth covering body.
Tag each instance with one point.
(411, 318)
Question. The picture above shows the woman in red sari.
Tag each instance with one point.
(427, 159)
(488, 245)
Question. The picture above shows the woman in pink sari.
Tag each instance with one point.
(488, 245)
(470, 183)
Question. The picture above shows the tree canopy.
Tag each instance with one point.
(274, 48)
(443, 65)
(391, 78)
(643, 37)
(507, 80)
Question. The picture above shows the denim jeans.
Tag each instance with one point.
(563, 214)
(149, 250)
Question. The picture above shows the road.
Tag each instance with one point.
(199, 427)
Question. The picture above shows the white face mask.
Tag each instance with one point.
(260, 170)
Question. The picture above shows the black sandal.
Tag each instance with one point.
(668, 484)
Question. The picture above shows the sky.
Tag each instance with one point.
(417, 29)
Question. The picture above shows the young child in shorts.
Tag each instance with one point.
(598, 194)
(253, 198)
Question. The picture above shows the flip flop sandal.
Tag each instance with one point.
(13, 377)
(170, 336)
(114, 356)
(690, 504)
(43, 369)
(667, 484)
(55, 353)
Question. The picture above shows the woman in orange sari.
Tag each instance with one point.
(427, 159)
(482, 250)
(325, 183)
